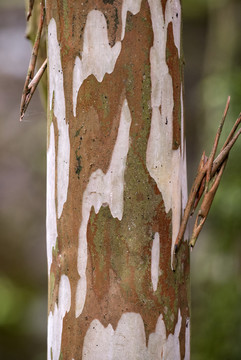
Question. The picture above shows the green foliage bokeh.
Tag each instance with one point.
(216, 259)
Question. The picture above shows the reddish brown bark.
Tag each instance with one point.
(118, 268)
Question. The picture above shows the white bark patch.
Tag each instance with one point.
(187, 340)
(162, 347)
(165, 165)
(51, 223)
(173, 14)
(155, 259)
(98, 57)
(56, 89)
(128, 341)
(55, 319)
(134, 7)
(103, 189)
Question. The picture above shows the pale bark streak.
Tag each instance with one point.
(56, 92)
(103, 189)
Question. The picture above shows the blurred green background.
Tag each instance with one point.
(212, 45)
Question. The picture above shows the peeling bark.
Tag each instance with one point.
(116, 181)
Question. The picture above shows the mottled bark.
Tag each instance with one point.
(116, 181)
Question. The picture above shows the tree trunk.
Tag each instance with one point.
(116, 181)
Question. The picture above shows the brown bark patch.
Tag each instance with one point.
(174, 70)
(163, 2)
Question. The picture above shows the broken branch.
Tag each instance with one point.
(207, 170)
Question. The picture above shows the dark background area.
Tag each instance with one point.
(212, 47)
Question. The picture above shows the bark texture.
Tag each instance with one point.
(116, 181)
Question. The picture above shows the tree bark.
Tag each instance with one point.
(116, 181)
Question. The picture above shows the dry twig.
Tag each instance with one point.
(32, 81)
(207, 180)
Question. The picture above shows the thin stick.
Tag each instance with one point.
(32, 86)
(224, 153)
(215, 167)
(231, 134)
(30, 8)
(215, 145)
(32, 64)
(191, 199)
(205, 206)
(38, 75)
